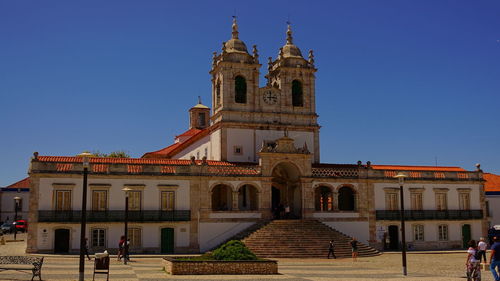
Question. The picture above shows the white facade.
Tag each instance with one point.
(7, 204)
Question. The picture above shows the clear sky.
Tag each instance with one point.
(398, 82)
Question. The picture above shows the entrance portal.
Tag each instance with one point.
(61, 241)
(286, 191)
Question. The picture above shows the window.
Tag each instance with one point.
(134, 234)
(238, 150)
(441, 201)
(247, 198)
(240, 88)
(416, 200)
(99, 200)
(98, 237)
(222, 199)
(297, 99)
(391, 201)
(443, 232)
(62, 200)
(464, 201)
(201, 119)
(418, 232)
(167, 200)
(134, 200)
(217, 94)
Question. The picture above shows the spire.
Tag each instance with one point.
(235, 29)
(289, 38)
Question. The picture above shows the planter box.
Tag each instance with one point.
(180, 267)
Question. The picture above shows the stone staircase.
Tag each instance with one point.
(301, 239)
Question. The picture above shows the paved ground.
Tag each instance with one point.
(421, 266)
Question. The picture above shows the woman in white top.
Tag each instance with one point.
(472, 263)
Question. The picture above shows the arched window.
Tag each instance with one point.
(297, 96)
(247, 198)
(240, 89)
(217, 93)
(346, 199)
(323, 199)
(221, 198)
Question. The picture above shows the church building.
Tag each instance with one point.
(253, 157)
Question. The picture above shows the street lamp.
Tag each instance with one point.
(85, 160)
(16, 207)
(401, 177)
(125, 244)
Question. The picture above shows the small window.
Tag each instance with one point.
(201, 119)
(416, 200)
(238, 150)
(134, 200)
(167, 200)
(217, 94)
(464, 201)
(443, 232)
(441, 202)
(62, 200)
(99, 200)
(418, 232)
(98, 237)
(240, 87)
(391, 201)
(134, 234)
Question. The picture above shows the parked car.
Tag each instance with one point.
(7, 228)
(21, 225)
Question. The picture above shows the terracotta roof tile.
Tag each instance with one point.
(62, 167)
(418, 168)
(492, 182)
(133, 161)
(169, 151)
(24, 183)
(100, 168)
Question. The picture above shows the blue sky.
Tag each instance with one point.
(398, 82)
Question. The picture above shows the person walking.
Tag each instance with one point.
(481, 246)
(86, 248)
(354, 248)
(495, 258)
(331, 249)
(121, 245)
(473, 262)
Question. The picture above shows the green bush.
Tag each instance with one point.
(233, 250)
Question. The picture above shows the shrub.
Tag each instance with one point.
(233, 250)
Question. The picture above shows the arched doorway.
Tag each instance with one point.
(286, 190)
(61, 240)
(247, 198)
(346, 199)
(222, 199)
(323, 199)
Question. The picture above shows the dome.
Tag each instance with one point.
(291, 51)
(235, 46)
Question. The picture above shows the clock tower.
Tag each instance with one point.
(245, 117)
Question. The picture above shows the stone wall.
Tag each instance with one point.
(176, 267)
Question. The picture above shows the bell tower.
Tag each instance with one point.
(235, 78)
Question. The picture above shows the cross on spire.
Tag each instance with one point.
(235, 29)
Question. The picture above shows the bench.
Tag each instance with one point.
(19, 263)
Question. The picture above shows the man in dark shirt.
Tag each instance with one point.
(331, 248)
(495, 258)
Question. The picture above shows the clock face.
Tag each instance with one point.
(270, 97)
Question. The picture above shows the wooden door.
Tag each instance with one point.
(465, 235)
(167, 240)
(61, 241)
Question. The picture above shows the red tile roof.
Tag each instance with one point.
(132, 161)
(190, 136)
(492, 182)
(24, 183)
(418, 168)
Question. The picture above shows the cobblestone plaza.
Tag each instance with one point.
(421, 266)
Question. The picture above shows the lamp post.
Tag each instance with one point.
(16, 207)
(401, 178)
(125, 244)
(85, 160)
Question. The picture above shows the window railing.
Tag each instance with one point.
(115, 216)
(414, 215)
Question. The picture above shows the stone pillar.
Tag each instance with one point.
(234, 195)
(265, 198)
(335, 195)
(307, 198)
(32, 237)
